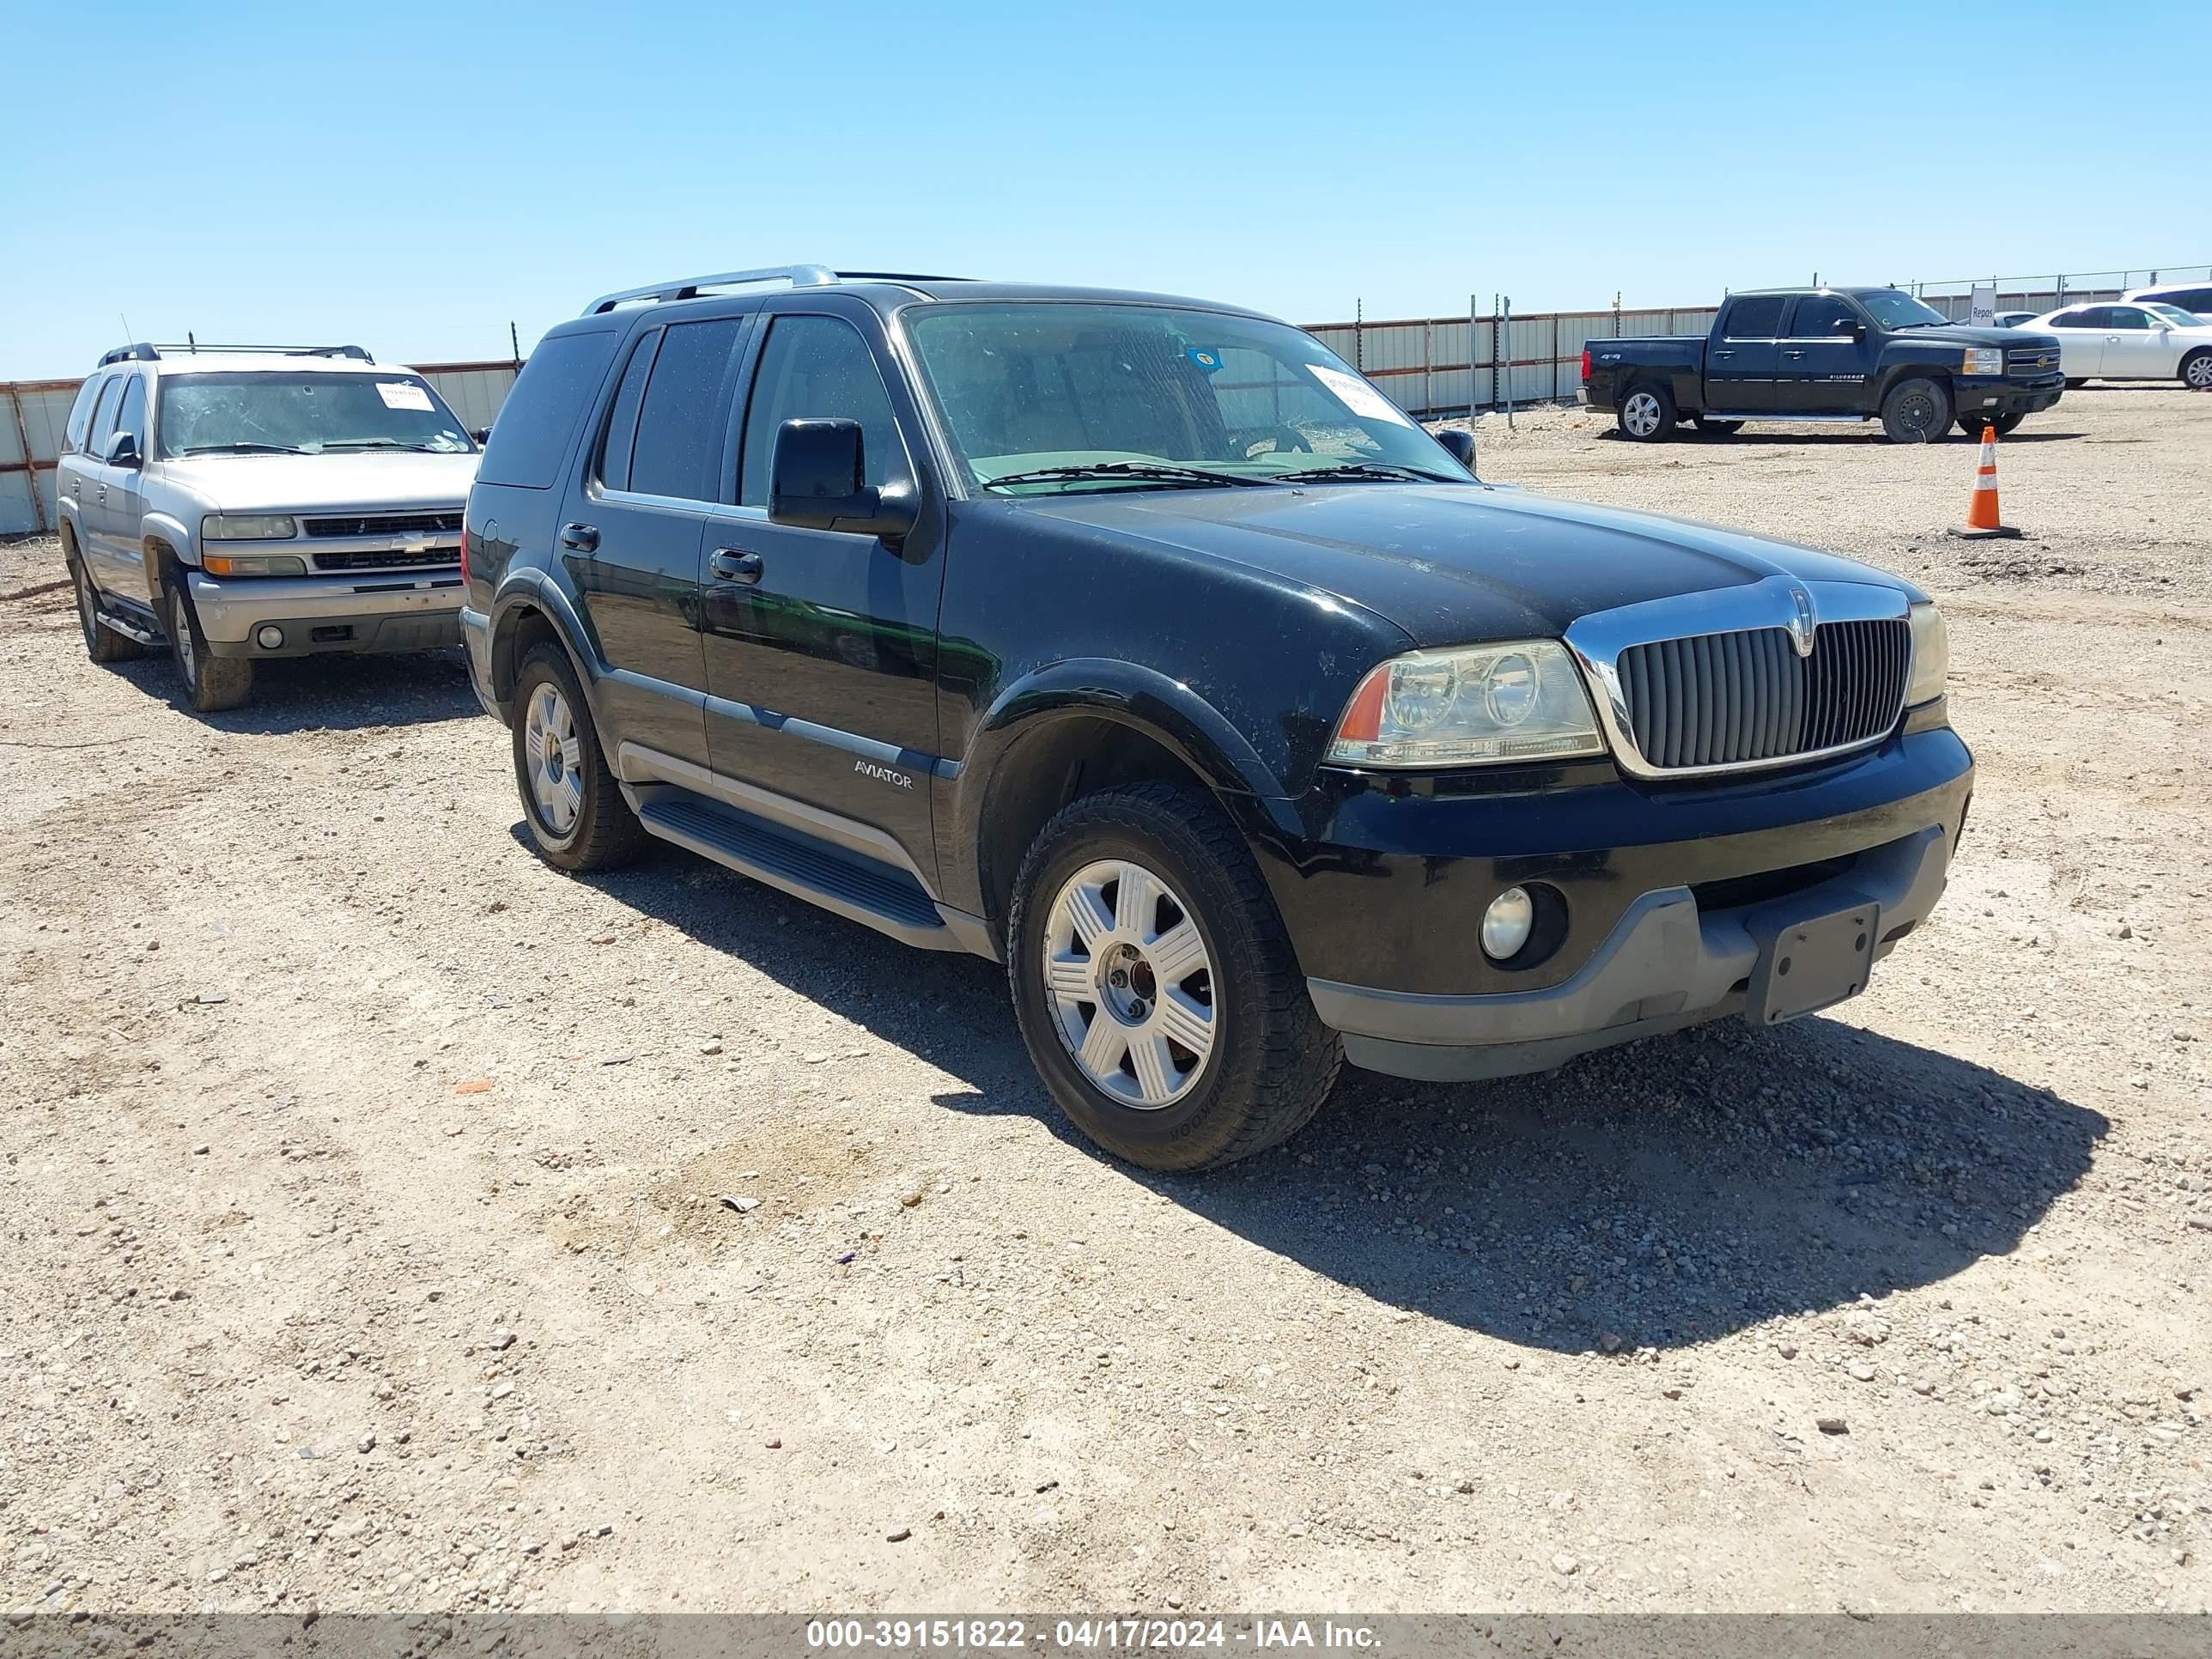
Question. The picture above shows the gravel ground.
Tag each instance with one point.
(393, 1222)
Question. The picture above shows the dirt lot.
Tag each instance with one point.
(365, 1246)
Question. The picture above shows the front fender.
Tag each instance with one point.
(165, 529)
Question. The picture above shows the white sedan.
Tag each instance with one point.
(2125, 341)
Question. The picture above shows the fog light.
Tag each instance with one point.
(269, 638)
(1506, 924)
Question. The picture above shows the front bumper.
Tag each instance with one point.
(409, 612)
(1666, 893)
(1975, 396)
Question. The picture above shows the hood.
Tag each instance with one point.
(1963, 334)
(1450, 563)
(312, 483)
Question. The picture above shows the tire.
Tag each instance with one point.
(212, 683)
(1715, 429)
(1268, 1062)
(575, 809)
(101, 643)
(1646, 415)
(2196, 370)
(2077, 384)
(1916, 411)
(1971, 425)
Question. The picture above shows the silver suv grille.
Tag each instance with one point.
(1732, 699)
(388, 524)
(1734, 678)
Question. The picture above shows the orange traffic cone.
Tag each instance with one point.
(1982, 518)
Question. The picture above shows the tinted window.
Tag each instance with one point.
(2128, 317)
(2190, 299)
(2093, 317)
(1754, 320)
(103, 417)
(679, 422)
(132, 417)
(531, 437)
(818, 368)
(2068, 320)
(1821, 316)
(80, 417)
(621, 419)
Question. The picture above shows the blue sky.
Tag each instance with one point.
(414, 176)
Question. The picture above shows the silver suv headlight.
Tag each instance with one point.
(1470, 705)
(1931, 655)
(248, 528)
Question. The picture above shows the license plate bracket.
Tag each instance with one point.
(1808, 963)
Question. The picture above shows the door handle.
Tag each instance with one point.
(1724, 353)
(583, 538)
(731, 564)
(1793, 354)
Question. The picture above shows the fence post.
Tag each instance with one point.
(1359, 335)
(1473, 325)
(30, 464)
(1555, 357)
(1505, 354)
(1428, 364)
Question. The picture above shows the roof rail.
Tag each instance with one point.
(149, 351)
(689, 287)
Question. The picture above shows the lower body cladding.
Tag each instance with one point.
(1743, 912)
(300, 617)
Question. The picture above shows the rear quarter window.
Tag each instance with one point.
(79, 417)
(537, 422)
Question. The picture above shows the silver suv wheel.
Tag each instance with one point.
(557, 776)
(180, 635)
(1131, 988)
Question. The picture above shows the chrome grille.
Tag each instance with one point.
(1739, 698)
(388, 524)
(2031, 359)
(370, 558)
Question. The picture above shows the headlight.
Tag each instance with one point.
(1931, 655)
(248, 528)
(1471, 705)
(257, 564)
(1983, 360)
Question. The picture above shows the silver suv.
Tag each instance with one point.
(250, 501)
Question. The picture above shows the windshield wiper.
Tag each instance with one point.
(1109, 471)
(385, 443)
(1381, 471)
(241, 449)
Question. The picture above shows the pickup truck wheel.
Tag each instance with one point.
(212, 683)
(1647, 415)
(1717, 429)
(1972, 424)
(1916, 411)
(102, 643)
(2197, 371)
(577, 816)
(1155, 987)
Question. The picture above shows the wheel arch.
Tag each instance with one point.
(1076, 728)
(530, 611)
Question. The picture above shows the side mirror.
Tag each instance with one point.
(122, 451)
(1850, 326)
(1461, 445)
(815, 482)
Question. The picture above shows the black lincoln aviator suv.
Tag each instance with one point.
(1142, 645)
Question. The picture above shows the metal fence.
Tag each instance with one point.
(1430, 366)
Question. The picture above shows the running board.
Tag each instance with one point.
(129, 631)
(1795, 420)
(860, 890)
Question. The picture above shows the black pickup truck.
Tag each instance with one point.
(1825, 354)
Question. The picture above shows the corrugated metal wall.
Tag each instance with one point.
(1437, 365)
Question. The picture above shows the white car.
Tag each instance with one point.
(2125, 341)
(2190, 296)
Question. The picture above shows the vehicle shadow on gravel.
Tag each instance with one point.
(328, 693)
(1661, 1195)
(1833, 438)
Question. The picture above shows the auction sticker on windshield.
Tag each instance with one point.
(398, 394)
(1356, 395)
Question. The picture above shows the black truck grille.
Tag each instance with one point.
(2031, 359)
(388, 524)
(1737, 699)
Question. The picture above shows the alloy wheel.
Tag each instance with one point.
(1640, 414)
(88, 609)
(180, 635)
(1130, 983)
(555, 759)
(2198, 373)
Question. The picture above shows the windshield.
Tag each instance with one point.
(2173, 314)
(1894, 309)
(1133, 397)
(262, 412)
